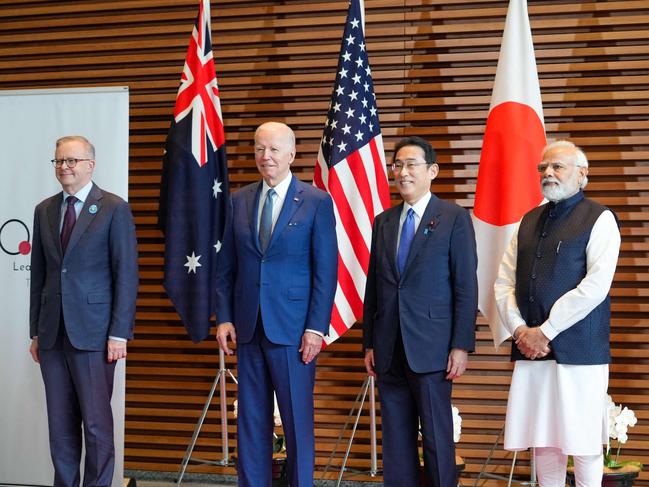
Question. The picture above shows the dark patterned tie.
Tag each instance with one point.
(266, 222)
(407, 234)
(69, 220)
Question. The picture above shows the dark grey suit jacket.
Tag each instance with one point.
(435, 301)
(94, 283)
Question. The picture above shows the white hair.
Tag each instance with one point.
(579, 157)
(279, 127)
(90, 149)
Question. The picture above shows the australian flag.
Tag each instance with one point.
(194, 196)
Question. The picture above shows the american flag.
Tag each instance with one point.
(194, 193)
(351, 167)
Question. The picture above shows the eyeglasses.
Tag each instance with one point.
(57, 163)
(555, 166)
(409, 165)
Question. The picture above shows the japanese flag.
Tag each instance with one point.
(508, 182)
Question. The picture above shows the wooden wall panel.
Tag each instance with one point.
(433, 65)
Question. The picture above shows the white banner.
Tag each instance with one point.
(30, 123)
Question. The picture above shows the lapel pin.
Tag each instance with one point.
(431, 226)
(93, 209)
(296, 199)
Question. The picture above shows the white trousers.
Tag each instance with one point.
(551, 466)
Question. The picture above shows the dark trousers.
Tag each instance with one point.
(263, 367)
(408, 398)
(78, 389)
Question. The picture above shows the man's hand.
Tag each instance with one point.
(116, 350)
(456, 365)
(33, 350)
(369, 362)
(532, 342)
(223, 331)
(311, 346)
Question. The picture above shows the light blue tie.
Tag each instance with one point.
(407, 234)
(266, 222)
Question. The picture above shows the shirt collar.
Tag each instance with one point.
(82, 194)
(280, 189)
(567, 203)
(419, 207)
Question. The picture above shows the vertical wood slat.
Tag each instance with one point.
(433, 65)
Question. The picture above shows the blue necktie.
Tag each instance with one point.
(266, 222)
(407, 234)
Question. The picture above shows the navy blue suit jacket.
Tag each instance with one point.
(95, 282)
(294, 281)
(435, 301)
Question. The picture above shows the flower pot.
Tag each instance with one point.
(613, 478)
(280, 476)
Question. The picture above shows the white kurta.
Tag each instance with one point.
(550, 404)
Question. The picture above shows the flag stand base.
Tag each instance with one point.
(220, 378)
(510, 480)
(357, 407)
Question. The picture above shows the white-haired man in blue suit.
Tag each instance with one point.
(275, 291)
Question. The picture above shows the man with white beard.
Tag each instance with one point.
(552, 293)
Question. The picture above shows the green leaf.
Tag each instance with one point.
(279, 444)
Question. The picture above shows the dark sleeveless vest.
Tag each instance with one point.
(551, 261)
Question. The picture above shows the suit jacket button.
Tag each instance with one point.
(531, 299)
(64, 271)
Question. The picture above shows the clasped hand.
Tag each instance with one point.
(532, 342)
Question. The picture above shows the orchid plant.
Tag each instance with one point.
(279, 442)
(457, 424)
(619, 421)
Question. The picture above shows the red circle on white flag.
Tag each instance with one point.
(508, 181)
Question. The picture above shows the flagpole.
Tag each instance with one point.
(373, 461)
(356, 410)
(224, 409)
(225, 461)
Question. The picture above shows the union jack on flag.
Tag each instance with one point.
(351, 167)
(194, 192)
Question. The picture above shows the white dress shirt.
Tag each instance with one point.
(418, 208)
(280, 195)
(81, 196)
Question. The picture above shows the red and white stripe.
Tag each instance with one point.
(359, 188)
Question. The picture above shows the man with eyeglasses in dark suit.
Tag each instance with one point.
(420, 310)
(84, 282)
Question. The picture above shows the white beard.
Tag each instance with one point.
(557, 191)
